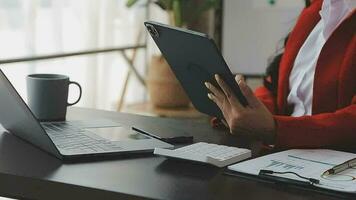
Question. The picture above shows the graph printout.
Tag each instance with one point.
(309, 163)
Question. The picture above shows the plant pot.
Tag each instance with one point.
(163, 87)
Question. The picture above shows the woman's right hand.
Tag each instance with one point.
(253, 120)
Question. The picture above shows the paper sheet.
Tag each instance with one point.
(308, 163)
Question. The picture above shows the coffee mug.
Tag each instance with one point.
(47, 96)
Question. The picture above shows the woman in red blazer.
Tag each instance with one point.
(332, 121)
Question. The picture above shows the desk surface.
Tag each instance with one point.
(26, 172)
(148, 109)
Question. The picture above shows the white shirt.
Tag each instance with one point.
(301, 79)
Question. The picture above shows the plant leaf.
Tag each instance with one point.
(177, 9)
(130, 3)
(161, 4)
(165, 4)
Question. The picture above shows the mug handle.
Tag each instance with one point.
(80, 93)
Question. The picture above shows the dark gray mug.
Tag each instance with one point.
(47, 96)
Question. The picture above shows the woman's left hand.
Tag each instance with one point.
(253, 120)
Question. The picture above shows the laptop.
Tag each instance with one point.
(69, 140)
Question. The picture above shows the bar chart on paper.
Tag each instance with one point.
(284, 166)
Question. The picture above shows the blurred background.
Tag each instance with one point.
(103, 45)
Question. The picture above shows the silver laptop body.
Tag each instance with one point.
(69, 140)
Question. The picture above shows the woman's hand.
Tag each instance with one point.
(253, 120)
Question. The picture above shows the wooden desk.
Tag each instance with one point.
(27, 172)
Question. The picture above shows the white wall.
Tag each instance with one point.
(253, 28)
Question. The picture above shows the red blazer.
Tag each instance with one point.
(333, 120)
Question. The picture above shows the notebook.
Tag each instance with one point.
(311, 163)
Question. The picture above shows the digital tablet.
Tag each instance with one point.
(194, 59)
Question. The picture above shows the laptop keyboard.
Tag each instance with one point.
(76, 140)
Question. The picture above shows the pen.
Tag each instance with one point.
(342, 167)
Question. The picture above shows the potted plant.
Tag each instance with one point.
(163, 87)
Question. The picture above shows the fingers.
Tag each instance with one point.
(228, 92)
(217, 92)
(239, 78)
(223, 104)
(217, 96)
(213, 98)
(217, 101)
(252, 100)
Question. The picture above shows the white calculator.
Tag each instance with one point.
(217, 155)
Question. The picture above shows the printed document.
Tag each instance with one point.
(311, 163)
